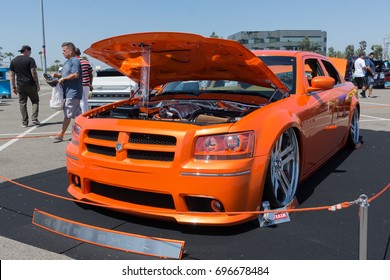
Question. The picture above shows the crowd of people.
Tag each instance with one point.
(75, 78)
(364, 74)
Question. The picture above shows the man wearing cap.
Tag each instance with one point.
(26, 84)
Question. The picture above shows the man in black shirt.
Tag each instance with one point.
(26, 84)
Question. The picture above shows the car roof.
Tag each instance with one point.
(285, 53)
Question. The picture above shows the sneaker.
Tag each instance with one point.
(24, 125)
(57, 138)
(36, 122)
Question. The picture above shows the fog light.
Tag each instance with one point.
(76, 181)
(216, 206)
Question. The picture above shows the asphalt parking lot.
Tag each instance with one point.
(28, 156)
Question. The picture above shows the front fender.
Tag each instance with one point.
(269, 123)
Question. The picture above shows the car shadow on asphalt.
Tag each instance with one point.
(307, 188)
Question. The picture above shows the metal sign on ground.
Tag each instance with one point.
(145, 245)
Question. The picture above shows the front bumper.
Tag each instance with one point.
(168, 193)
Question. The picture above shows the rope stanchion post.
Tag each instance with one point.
(363, 226)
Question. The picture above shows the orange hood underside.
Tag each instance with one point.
(340, 64)
(183, 56)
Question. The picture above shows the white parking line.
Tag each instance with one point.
(373, 118)
(9, 143)
(32, 133)
(374, 103)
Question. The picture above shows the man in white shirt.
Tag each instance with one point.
(359, 76)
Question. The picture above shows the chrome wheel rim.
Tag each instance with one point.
(355, 130)
(285, 167)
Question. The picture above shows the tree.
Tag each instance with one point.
(331, 52)
(57, 62)
(307, 45)
(362, 47)
(10, 55)
(213, 35)
(54, 67)
(377, 50)
(339, 54)
(349, 51)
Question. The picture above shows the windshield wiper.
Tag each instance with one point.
(196, 93)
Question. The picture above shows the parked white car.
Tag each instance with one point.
(110, 86)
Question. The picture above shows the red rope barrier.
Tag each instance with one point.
(29, 136)
(335, 207)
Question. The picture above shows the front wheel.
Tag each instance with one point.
(283, 170)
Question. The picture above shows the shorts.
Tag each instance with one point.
(72, 108)
(359, 81)
(370, 80)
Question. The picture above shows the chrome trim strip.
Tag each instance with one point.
(199, 174)
(128, 242)
(72, 157)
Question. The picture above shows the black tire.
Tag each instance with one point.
(354, 130)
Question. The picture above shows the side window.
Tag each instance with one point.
(332, 71)
(312, 69)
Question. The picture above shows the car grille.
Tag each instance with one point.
(146, 155)
(142, 138)
(151, 199)
(156, 142)
(104, 135)
(110, 95)
(107, 151)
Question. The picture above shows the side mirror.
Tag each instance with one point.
(321, 83)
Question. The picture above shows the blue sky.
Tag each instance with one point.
(87, 21)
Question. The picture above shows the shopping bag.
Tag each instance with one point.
(57, 98)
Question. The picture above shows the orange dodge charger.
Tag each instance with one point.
(213, 131)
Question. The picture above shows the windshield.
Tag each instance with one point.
(284, 68)
(198, 87)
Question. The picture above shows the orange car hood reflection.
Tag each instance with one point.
(182, 56)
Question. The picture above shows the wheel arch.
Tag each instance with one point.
(281, 121)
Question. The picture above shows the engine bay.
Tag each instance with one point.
(188, 111)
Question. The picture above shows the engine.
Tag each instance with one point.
(200, 112)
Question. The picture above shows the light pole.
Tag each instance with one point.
(43, 35)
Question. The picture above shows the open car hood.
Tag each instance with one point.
(183, 56)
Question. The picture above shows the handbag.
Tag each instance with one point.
(57, 98)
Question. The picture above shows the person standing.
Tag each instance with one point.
(72, 83)
(359, 76)
(86, 69)
(370, 75)
(26, 84)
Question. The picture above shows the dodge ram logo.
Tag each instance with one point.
(119, 147)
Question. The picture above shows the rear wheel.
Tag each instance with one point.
(354, 130)
(283, 171)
